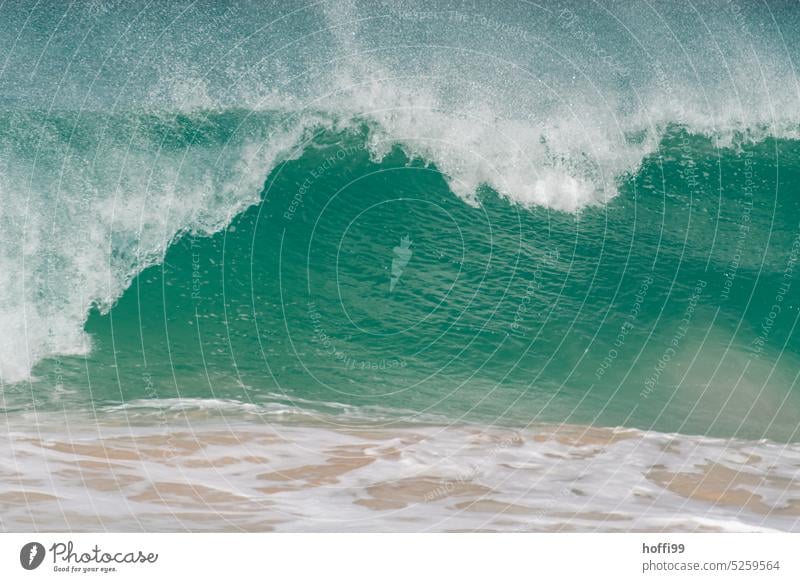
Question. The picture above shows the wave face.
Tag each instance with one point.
(506, 213)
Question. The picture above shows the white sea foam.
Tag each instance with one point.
(175, 470)
(87, 213)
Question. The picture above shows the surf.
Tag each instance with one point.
(539, 173)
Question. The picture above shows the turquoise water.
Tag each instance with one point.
(425, 239)
(652, 311)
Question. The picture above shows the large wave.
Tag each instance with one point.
(127, 125)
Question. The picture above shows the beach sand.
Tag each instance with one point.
(238, 474)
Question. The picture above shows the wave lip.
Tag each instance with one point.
(93, 199)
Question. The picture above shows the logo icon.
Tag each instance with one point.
(402, 254)
(31, 555)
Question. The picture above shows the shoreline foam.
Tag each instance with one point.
(230, 474)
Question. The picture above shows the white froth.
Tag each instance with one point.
(86, 218)
(189, 469)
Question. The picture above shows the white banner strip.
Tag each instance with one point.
(400, 557)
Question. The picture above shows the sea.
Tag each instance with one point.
(399, 266)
